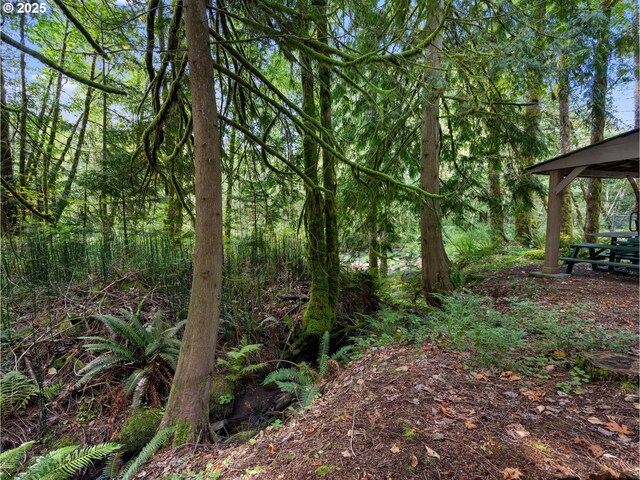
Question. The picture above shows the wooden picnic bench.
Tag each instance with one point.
(605, 255)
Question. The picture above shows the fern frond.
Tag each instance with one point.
(11, 460)
(63, 463)
(344, 354)
(156, 443)
(288, 374)
(134, 379)
(138, 393)
(252, 347)
(112, 466)
(110, 346)
(293, 388)
(137, 327)
(16, 390)
(97, 365)
(308, 395)
(124, 329)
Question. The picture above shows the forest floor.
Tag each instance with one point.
(421, 412)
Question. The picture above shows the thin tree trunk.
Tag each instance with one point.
(374, 245)
(25, 111)
(496, 209)
(593, 197)
(566, 229)
(188, 405)
(384, 250)
(228, 198)
(63, 201)
(524, 195)
(435, 264)
(8, 208)
(636, 65)
(54, 127)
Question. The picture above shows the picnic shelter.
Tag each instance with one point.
(615, 157)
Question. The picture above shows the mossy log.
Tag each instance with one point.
(610, 366)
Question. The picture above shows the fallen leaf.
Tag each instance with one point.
(509, 375)
(595, 449)
(470, 425)
(346, 453)
(534, 395)
(540, 409)
(511, 474)
(272, 448)
(565, 471)
(445, 411)
(394, 448)
(614, 426)
(52, 371)
(360, 381)
(404, 368)
(414, 461)
(595, 421)
(559, 353)
(437, 436)
(431, 452)
(481, 376)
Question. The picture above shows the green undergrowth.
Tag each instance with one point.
(524, 337)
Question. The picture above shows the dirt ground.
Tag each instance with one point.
(418, 412)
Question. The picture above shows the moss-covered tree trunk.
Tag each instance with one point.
(598, 99)
(328, 166)
(318, 316)
(188, 405)
(435, 264)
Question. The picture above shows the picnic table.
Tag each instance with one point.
(623, 251)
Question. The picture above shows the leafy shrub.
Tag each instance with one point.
(149, 352)
(139, 429)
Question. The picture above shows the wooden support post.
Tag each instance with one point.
(554, 218)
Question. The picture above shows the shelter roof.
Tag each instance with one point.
(615, 157)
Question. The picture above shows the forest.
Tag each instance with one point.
(296, 239)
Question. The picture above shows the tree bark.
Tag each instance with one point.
(435, 264)
(524, 195)
(188, 405)
(25, 111)
(228, 198)
(318, 316)
(566, 229)
(593, 197)
(8, 208)
(374, 244)
(496, 209)
(328, 166)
